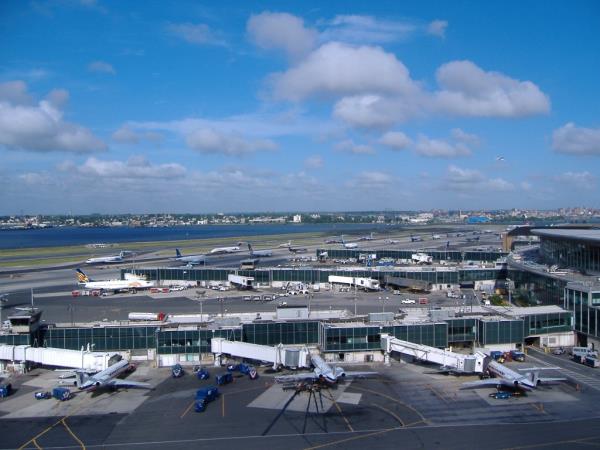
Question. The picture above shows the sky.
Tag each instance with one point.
(194, 107)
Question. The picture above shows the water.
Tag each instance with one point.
(54, 237)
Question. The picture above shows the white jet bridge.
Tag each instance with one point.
(448, 361)
(279, 356)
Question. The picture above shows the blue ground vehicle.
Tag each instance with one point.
(203, 374)
(209, 393)
(42, 395)
(61, 393)
(501, 395)
(224, 378)
(5, 390)
(177, 371)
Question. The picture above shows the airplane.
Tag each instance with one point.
(106, 378)
(392, 241)
(415, 238)
(296, 249)
(223, 250)
(500, 158)
(436, 236)
(191, 260)
(349, 245)
(366, 238)
(259, 253)
(287, 244)
(322, 373)
(474, 239)
(106, 259)
(333, 241)
(511, 379)
(131, 282)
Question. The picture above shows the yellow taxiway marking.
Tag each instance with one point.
(34, 442)
(337, 406)
(353, 438)
(64, 422)
(187, 410)
(394, 400)
(391, 413)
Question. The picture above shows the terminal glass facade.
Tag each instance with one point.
(584, 303)
(583, 256)
(101, 339)
(287, 333)
(462, 330)
(192, 341)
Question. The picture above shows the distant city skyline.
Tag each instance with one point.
(112, 107)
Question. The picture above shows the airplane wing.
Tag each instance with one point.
(492, 382)
(115, 382)
(306, 376)
(361, 375)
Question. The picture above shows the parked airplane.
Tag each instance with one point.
(107, 378)
(436, 236)
(287, 244)
(392, 241)
(415, 238)
(366, 238)
(131, 282)
(512, 379)
(323, 373)
(106, 259)
(333, 241)
(259, 253)
(223, 250)
(349, 245)
(191, 260)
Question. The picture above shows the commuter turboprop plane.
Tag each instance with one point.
(106, 259)
(511, 379)
(191, 260)
(131, 282)
(107, 378)
(324, 373)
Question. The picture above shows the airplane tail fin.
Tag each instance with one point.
(250, 248)
(82, 277)
(177, 253)
(81, 377)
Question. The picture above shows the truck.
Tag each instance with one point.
(224, 378)
(61, 393)
(517, 356)
(160, 316)
(583, 351)
(177, 371)
(240, 282)
(587, 360)
(421, 258)
(368, 284)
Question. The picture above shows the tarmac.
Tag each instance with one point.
(407, 406)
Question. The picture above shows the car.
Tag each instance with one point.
(43, 395)
(501, 395)
(558, 351)
(178, 288)
(408, 301)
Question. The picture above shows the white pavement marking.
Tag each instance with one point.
(592, 382)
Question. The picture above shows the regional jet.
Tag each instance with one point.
(366, 238)
(415, 238)
(509, 378)
(259, 253)
(392, 241)
(224, 250)
(107, 378)
(106, 259)
(323, 373)
(191, 260)
(349, 245)
(295, 249)
(131, 282)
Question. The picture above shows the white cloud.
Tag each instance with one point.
(573, 140)
(134, 167)
(358, 29)
(464, 137)
(36, 178)
(350, 147)
(472, 181)
(370, 180)
(41, 127)
(15, 92)
(101, 67)
(126, 135)
(395, 140)
(208, 140)
(579, 180)
(313, 162)
(468, 90)
(281, 31)
(437, 28)
(198, 34)
(437, 148)
(339, 69)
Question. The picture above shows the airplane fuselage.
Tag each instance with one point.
(101, 378)
(509, 375)
(220, 250)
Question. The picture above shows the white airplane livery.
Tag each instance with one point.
(191, 260)
(131, 282)
(349, 245)
(106, 259)
(107, 378)
(323, 372)
(259, 253)
(222, 250)
(512, 379)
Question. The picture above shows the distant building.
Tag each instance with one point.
(297, 218)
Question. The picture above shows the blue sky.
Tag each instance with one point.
(113, 106)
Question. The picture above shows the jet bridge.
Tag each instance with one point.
(450, 361)
(279, 356)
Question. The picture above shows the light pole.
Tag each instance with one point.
(71, 308)
(381, 300)
(383, 305)
(3, 300)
